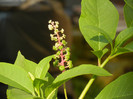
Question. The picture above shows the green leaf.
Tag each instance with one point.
(50, 80)
(127, 49)
(121, 88)
(129, 46)
(100, 53)
(128, 14)
(28, 65)
(42, 67)
(38, 83)
(96, 20)
(129, 3)
(77, 71)
(123, 36)
(14, 93)
(15, 76)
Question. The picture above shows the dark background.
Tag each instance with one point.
(23, 26)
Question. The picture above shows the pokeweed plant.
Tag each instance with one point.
(29, 80)
(98, 23)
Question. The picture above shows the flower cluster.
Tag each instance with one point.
(62, 55)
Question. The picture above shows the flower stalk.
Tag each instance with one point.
(62, 56)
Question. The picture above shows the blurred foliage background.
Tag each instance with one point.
(23, 26)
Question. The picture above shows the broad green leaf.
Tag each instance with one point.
(50, 80)
(96, 14)
(129, 3)
(38, 83)
(15, 76)
(128, 14)
(28, 65)
(129, 46)
(105, 34)
(42, 67)
(127, 49)
(123, 36)
(14, 93)
(100, 53)
(76, 71)
(121, 88)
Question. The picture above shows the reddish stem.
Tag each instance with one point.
(61, 55)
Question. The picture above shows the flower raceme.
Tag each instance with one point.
(62, 56)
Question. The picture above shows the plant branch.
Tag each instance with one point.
(87, 87)
(65, 93)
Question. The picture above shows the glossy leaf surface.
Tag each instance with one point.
(43, 67)
(123, 36)
(96, 14)
(121, 88)
(77, 71)
(28, 65)
(128, 13)
(100, 53)
(15, 76)
(127, 49)
(14, 93)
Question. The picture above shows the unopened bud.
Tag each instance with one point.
(54, 48)
(60, 47)
(61, 68)
(64, 42)
(70, 64)
(67, 49)
(56, 31)
(67, 57)
(58, 53)
(56, 62)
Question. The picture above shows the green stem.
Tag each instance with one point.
(99, 61)
(65, 93)
(105, 62)
(87, 87)
(94, 77)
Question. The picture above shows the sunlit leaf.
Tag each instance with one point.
(123, 37)
(121, 88)
(128, 13)
(14, 93)
(28, 65)
(77, 71)
(15, 76)
(100, 53)
(96, 14)
(43, 67)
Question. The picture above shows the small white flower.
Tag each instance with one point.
(64, 36)
(56, 44)
(56, 26)
(51, 35)
(62, 31)
(50, 27)
(56, 22)
(49, 21)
